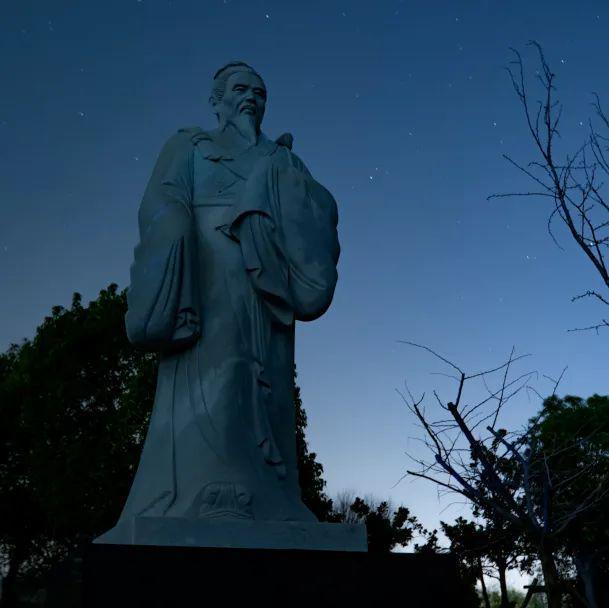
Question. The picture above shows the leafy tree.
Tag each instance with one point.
(485, 551)
(74, 402)
(573, 434)
(310, 471)
(468, 544)
(387, 528)
(21, 519)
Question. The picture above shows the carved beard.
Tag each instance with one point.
(244, 123)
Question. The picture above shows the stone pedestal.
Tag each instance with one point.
(247, 534)
(175, 577)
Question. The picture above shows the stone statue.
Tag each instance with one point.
(237, 242)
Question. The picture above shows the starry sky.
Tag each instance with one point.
(402, 109)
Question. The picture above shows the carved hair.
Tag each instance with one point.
(222, 75)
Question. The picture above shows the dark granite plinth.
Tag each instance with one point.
(172, 577)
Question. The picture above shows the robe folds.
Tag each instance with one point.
(234, 248)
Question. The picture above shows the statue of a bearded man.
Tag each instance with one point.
(237, 242)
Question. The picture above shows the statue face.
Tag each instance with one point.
(244, 99)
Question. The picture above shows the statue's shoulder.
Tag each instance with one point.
(182, 142)
(193, 134)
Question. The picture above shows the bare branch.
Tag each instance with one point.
(589, 294)
(603, 323)
(433, 353)
(556, 382)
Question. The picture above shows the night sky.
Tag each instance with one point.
(402, 109)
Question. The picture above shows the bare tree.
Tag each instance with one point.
(573, 184)
(506, 476)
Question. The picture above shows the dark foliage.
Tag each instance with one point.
(386, 530)
(74, 402)
(573, 433)
(310, 471)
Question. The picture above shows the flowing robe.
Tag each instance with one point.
(234, 248)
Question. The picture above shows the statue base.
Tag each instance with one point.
(246, 534)
(171, 577)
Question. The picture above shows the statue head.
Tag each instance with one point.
(238, 95)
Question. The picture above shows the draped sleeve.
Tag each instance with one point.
(286, 223)
(163, 313)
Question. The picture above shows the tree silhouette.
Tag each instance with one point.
(574, 184)
(74, 402)
(544, 487)
(310, 471)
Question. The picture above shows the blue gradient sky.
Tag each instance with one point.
(402, 109)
